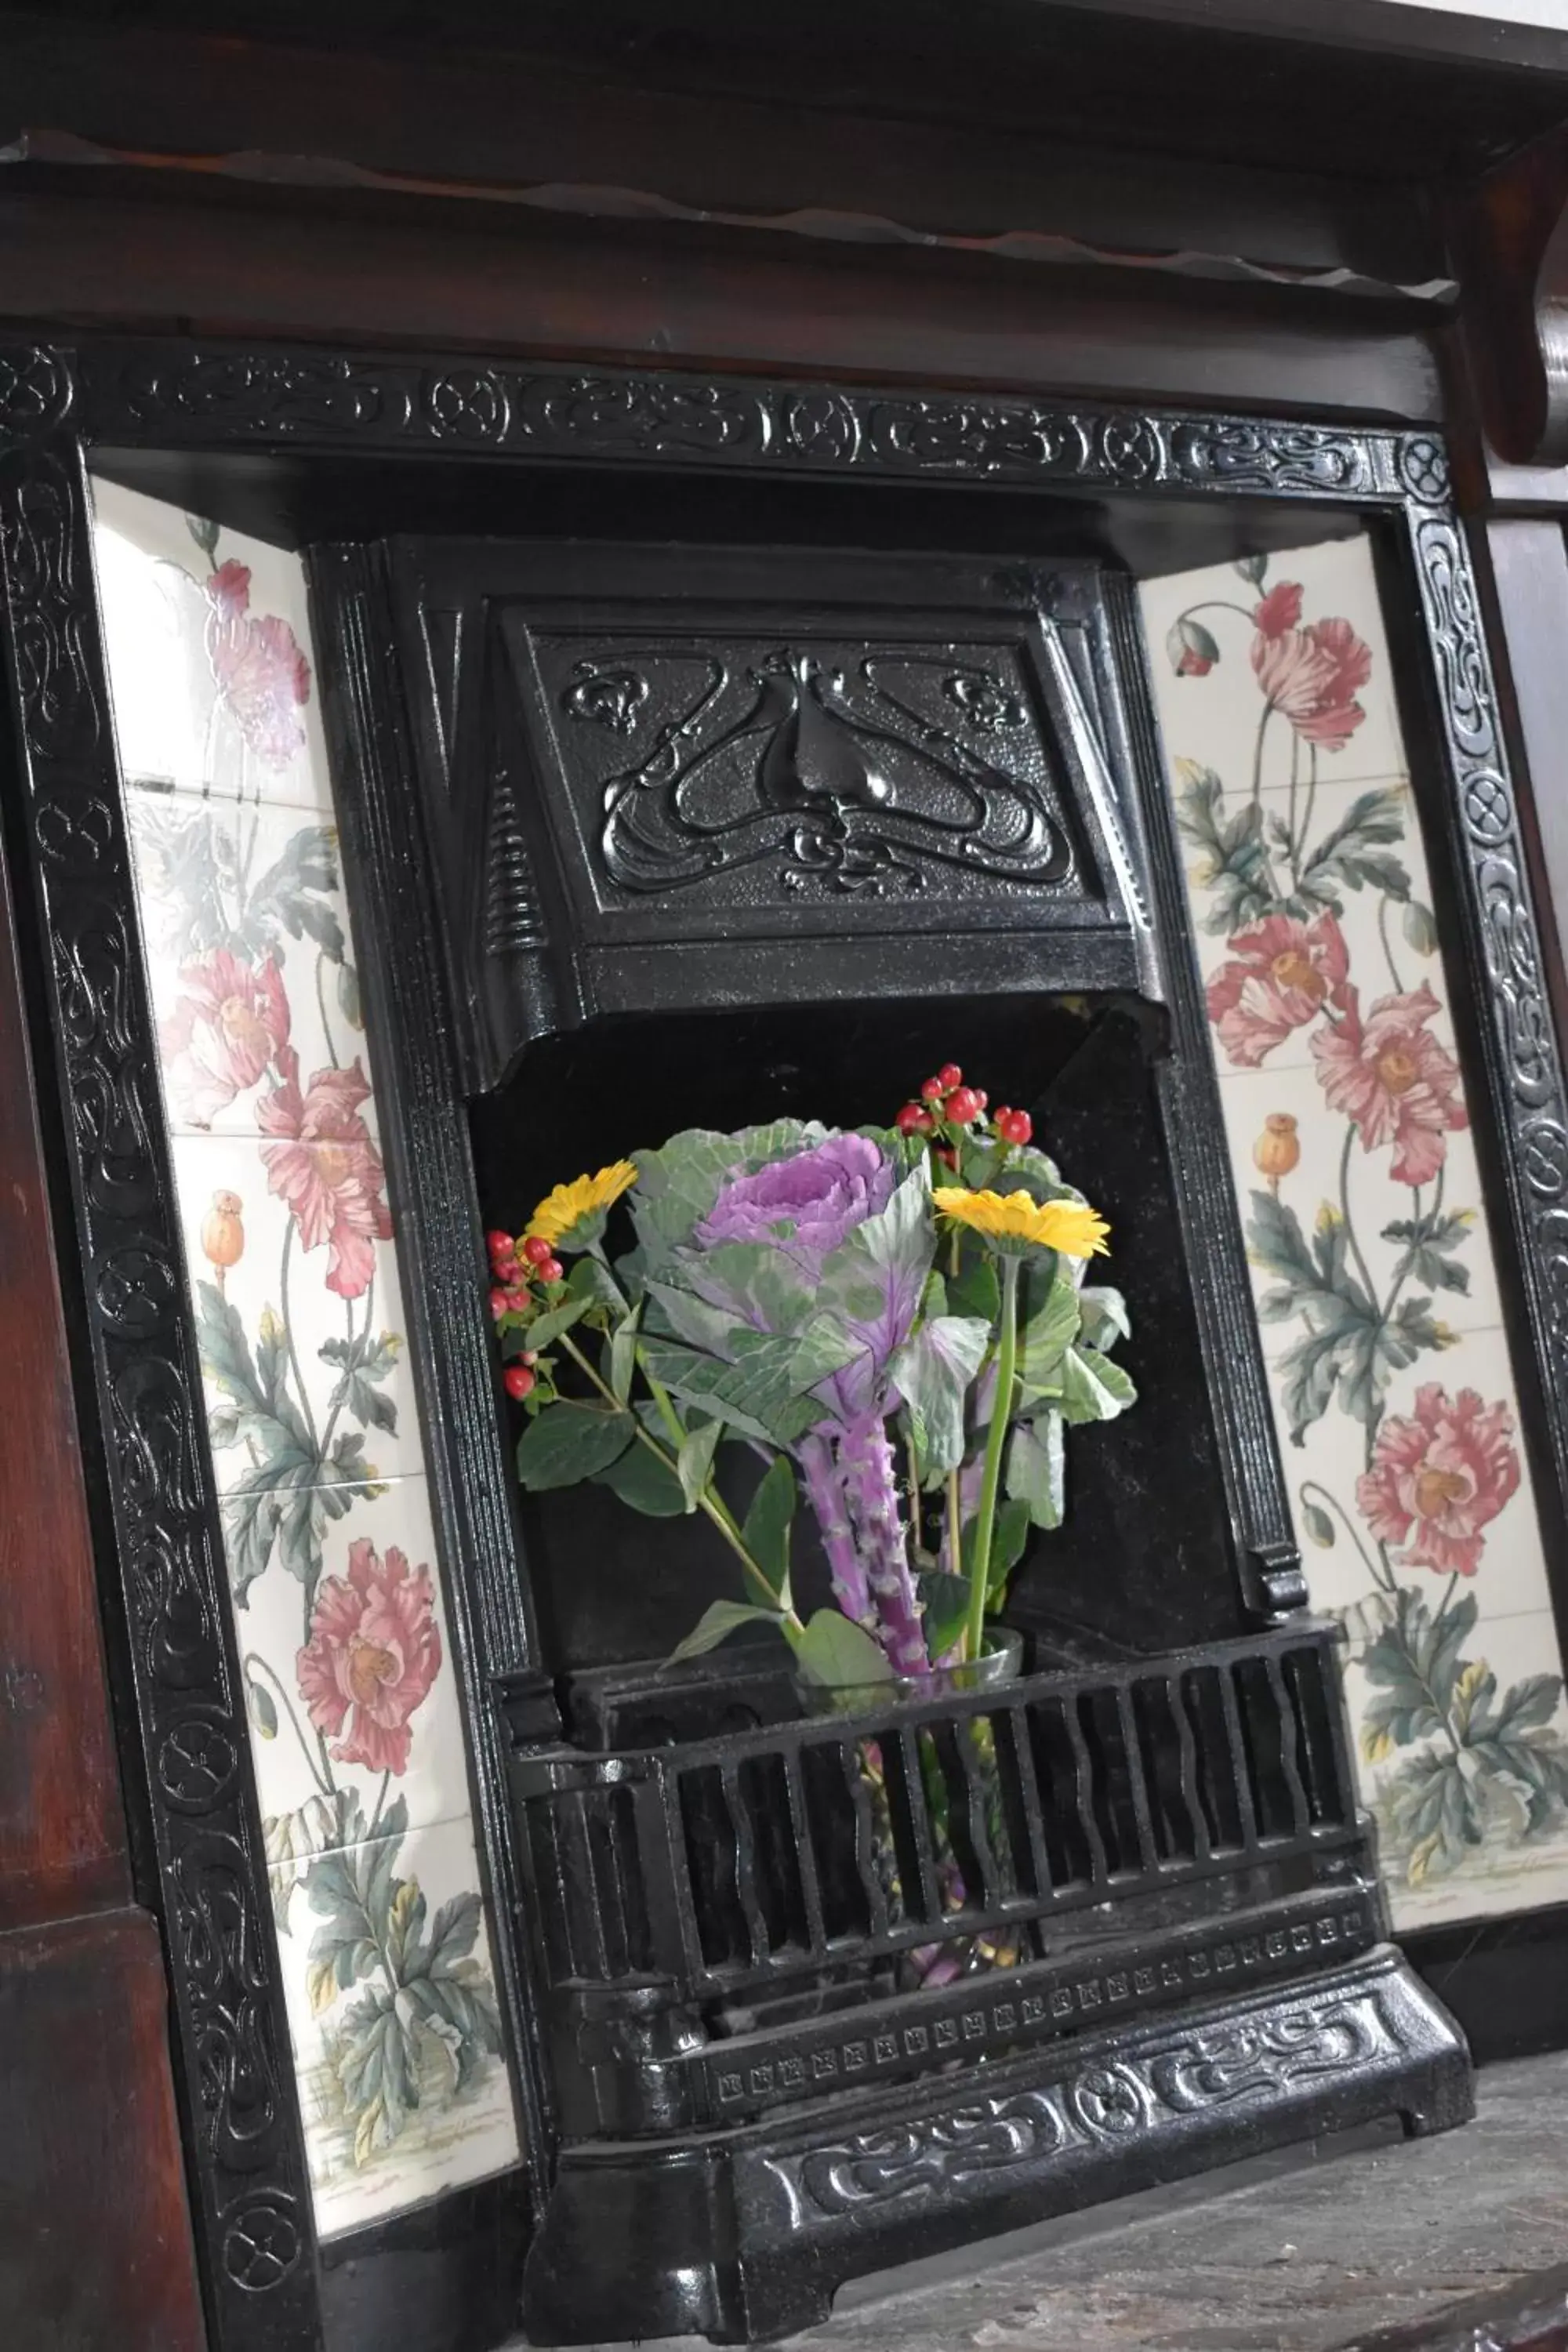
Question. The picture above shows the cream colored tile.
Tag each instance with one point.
(1218, 719)
(291, 1366)
(351, 1681)
(210, 662)
(1512, 1865)
(250, 956)
(400, 2100)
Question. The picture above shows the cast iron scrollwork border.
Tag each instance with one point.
(250, 2189)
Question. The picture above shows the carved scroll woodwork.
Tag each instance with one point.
(1522, 1055)
(1511, 235)
(251, 2198)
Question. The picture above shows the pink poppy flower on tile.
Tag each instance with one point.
(258, 665)
(373, 1655)
(1438, 1477)
(1281, 974)
(1313, 675)
(1281, 610)
(229, 1023)
(327, 1169)
(1392, 1077)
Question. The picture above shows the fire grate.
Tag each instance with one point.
(702, 1907)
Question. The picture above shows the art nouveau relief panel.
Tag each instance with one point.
(1348, 1123)
(357, 1737)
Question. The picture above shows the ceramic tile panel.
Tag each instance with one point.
(356, 1724)
(402, 2083)
(1355, 1171)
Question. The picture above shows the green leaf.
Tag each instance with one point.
(975, 1290)
(349, 1003)
(298, 894)
(945, 1602)
(1104, 1316)
(840, 1655)
(623, 1355)
(362, 1364)
(719, 1620)
(261, 1708)
(642, 1479)
(1420, 928)
(760, 1395)
(1349, 852)
(569, 1441)
(1234, 870)
(554, 1320)
(768, 1522)
(1317, 1523)
(1429, 1243)
(1034, 1467)
(933, 1372)
(1092, 1386)
(1046, 1337)
(694, 1463)
(1010, 1540)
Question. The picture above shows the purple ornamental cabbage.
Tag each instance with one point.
(805, 1207)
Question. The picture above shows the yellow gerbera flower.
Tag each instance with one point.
(560, 1214)
(1011, 1218)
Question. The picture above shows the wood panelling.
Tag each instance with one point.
(95, 2252)
(62, 1829)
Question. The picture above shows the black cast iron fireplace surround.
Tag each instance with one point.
(737, 2147)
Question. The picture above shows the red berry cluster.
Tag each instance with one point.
(515, 1265)
(945, 1102)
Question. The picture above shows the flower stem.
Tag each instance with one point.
(1313, 1487)
(254, 1664)
(995, 1442)
(1258, 758)
(871, 1489)
(830, 1509)
(288, 1336)
(1387, 950)
(709, 1501)
(917, 1531)
(321, 1006)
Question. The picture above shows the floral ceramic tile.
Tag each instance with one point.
(356, 1726)
(348, 1669)
(390, 1985)
(299, 1311)
(208, 636)
(1355, 1171)
(250, 959)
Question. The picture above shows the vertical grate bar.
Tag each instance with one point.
(865, 1854)
(745, 1852)
(1029, 1791)
(1290, 1745)
(805, 1854)
(1240, 1778)
(1083, 1774)
(675, 1844)
(1202, 1845)
(1137, 1783)
(925, 1890)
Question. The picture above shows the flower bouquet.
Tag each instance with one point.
(893, 1322)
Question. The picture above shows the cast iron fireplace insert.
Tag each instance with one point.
(708, 833)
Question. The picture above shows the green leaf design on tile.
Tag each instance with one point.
(362, 1364)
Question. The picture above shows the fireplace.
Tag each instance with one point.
(707, 750)
(718, 833)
